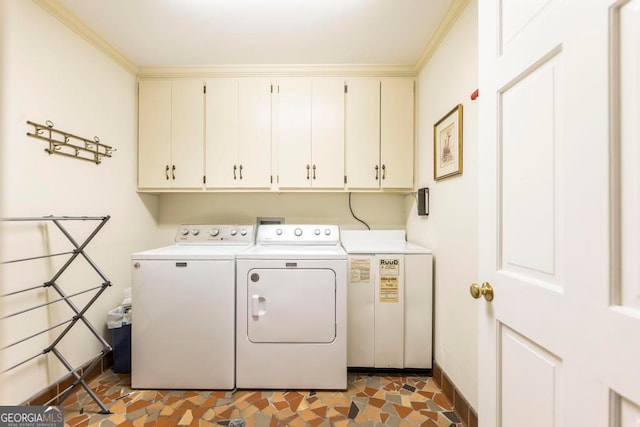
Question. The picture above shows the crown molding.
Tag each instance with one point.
(71, 21)
(280, 70)
(440, 33)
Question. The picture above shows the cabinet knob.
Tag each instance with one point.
(376, 168)
(314, 171)
(308, 171)
(166, 172)
(234, 171)
(173, 172)
(384, 172)
(240, 171)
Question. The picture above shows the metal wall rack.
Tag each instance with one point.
(70, 145)
(78, 313)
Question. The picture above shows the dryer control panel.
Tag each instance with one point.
(298, 234)
(215, 234)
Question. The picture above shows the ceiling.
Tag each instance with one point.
(171, 33)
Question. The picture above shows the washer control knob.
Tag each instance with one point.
(298, 232)
(279, 231)
(214, 232)
(243, 232)
(184, 231)
(327, 231)
(316, 232)
(195, 231)
(233, 232)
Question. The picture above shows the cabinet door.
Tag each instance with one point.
(327, 133)
(187, 133)
(254, 133)
(362, 154)
(396, 133)
(294, 133)
(222, 133)
(154, 133)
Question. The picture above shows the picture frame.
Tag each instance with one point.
(447, 144)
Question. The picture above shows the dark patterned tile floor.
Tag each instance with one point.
(370, 400)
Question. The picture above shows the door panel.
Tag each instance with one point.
(187, 133)
(362, 133)
(291, 305)
(222, 132)
(254, 150)
(396, 133)
(327, 133)
(528, 374)
(557, 196)
(294, 133)
(154, 137)
(530, 183)
(629, 151)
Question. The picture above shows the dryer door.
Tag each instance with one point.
(291, 305)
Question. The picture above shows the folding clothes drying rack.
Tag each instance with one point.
(78, 316)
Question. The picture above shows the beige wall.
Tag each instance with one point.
(450, 230)
(50, 73)
(380, 211)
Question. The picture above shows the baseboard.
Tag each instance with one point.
(49, 395)
(461, 406)
(392, 371)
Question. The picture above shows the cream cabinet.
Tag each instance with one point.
(238, 133)
(379, 133)
(311, 133)
(170, 134)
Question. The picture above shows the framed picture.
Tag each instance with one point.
(447, 144)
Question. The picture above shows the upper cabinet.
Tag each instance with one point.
(238, 133)
(296, 133)
(379, 133)
(170, 134)
(311, 133)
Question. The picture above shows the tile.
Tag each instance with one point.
(370, 400)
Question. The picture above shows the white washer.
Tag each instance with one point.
(183, 298)
(292, 309)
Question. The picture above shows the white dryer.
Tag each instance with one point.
(292, 309)
(183, 317)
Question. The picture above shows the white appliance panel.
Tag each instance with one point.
(389, 311)
(183, 324)
(302, 365)
(360, 294)
(291, 305)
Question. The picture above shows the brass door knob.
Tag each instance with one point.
(486, 290)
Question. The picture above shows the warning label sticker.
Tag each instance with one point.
(389, 267)
(389, 289)
(360, 270)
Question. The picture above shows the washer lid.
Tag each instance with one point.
(204, 252)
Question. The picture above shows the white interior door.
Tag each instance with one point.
(560, 342)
